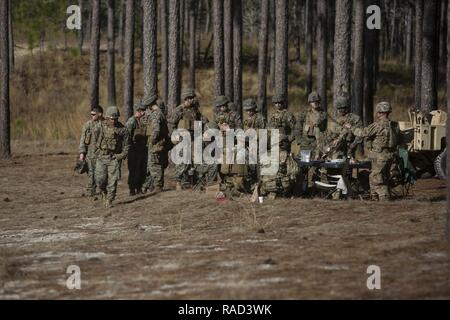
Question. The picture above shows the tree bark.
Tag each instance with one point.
(408, 56)
(5, 128)
(448, 119)
(11, 38)
(262, 57)
(358, 62)
(237, 54)
(309, 46)
(182, 35)
(322, 44)
(81, 31)
(111, 64)
(281, 45)
(164, 51)
(443, 33)
(174, 56)
(121, 27)
(218, 48)
(95, 54)
(192, 42)
(129, 58)
(370, 39)
(228, 48)
(342, 44)
(418, 54)
(150, 51)
(428, 93)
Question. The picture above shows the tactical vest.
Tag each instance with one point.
(140, 133)
(161, 144)
(307, 130)
(109, 141)
(225, 118)
(277, 121)
(387, 139)
(90, 134)
(189, 117)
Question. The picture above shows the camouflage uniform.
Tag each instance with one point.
(256, 121)
(184, 117)
(310, 127)
(112, 148)
(384, 135)
(284, 121)
(348, 141)
(89, 135)
(137, 155)
(228, 117)
(158, 145)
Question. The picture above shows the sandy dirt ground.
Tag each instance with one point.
(185, 245)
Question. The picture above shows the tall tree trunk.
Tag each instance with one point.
(429, 91)
(182, 34)
(228, 47)
(111, 56)
(443, 33)
(358, 63)
(81, 31)
(418, 54)
(192, 41)
(272, 45)
(237, 54)
(150, 53)
(121, 27)
(208, 17)
(370, 37)
(448, 119)
(393, 31)
(281, 45)
(129, 58)
(322, 44)
(262, 57)
(5, 129)
(308, 45)
(409, 36)
(95, 54)
(218, 48)
(11, 38)
(164, 51)
(342, 44)
(174, 55)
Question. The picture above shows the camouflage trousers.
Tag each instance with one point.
(182, 170)
(137, 167)
(157, 163)
(379, 176)
(107, 175)
(91, 185)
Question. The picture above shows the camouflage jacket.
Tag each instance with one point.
(89, 136)
(231, 118)
(384, 136)
(113, 141)
(184, 118)
(256, 121)
(157, 131)
(347, 140)
(137, 131)
(311, 124)
(284, 121)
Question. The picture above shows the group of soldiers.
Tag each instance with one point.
(146, 140)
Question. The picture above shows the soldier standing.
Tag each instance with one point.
(384, 135)
(254, 119)
(158, 144)
(184, 117)
(284, 121)
(87, 146)
(137, 155)
(345, 145)
(224, 117)
(311, 125)
(112, 148)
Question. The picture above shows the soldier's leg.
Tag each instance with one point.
(132, 171)
(113, 178)
(156, 170)
(142, 175)
(101, 175)
(91, 186)
(376, 179)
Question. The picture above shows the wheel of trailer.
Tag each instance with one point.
(440, 164)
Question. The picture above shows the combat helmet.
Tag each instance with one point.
(139, 107)
(148, 101)
(313, 97)
(384, 107)
(250, 104)
(112, 112)
(221, 101)
(342, 103)
(278, 98)
(187, 93)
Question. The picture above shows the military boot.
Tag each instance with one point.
(178, 186)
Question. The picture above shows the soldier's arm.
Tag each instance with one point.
(292, 125)
(237, 121)
(173, 120)
(298, 130)
(156, 125)
(130, 126)
(125, 145)
(322, 123)
(82, 149)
